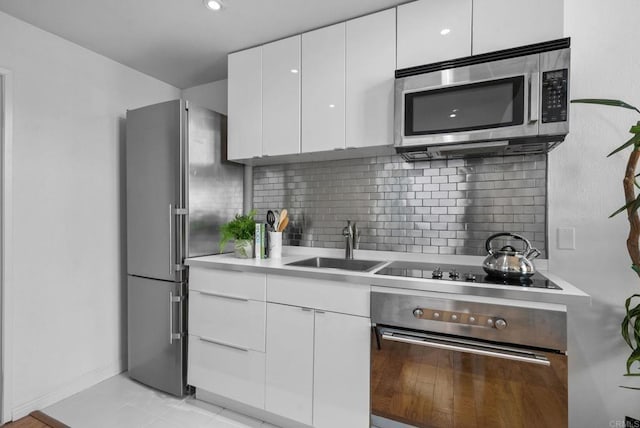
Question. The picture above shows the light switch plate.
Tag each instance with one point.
(566, 238)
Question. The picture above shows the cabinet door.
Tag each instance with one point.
(370, 66)
(499, 24)
(341, 371)
(323, 93)
(245, 104)
(433, 30)
(281, 97)
(225, 370)
(289, 362)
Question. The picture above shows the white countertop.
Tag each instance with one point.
(569, 295)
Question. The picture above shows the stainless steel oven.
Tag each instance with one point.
(444, 362)
(508, 102)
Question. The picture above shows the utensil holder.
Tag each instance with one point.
(275, 245)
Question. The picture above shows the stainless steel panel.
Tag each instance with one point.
(154, 135)
(214, 185)
(157, 346)
(439, 206)
(521, 66)
(524, 326)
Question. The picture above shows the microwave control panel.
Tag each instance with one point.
(554, 96)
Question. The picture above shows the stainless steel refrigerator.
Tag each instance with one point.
(179, 191)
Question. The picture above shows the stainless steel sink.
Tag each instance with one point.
(344, 264)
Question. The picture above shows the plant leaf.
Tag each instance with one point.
(605, 102)
(635, 356)
(635, 140)
(634, 204)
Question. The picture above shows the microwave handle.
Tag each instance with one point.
(534, 96)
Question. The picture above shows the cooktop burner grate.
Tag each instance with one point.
(450, 272)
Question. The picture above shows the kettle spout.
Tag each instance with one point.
(532, 254)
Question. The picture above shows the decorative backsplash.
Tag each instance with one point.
(438, 206)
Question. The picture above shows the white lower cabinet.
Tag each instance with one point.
(289, 358)
(226, 370)
(341, 370)
(293, 347)
(227, 312)
(317, 366)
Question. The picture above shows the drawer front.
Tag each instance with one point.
(234, 321)
(231, 372)
(319, 294)
(245, 285)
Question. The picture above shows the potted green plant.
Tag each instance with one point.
(630, 326)
(241, 229)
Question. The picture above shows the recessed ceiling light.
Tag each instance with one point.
(294, 70)
(213, 4)
(445, 31)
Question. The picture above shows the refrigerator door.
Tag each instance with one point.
(157, 345)
(155, 155)
(215, 186)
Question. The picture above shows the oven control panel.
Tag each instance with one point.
(460, 318)
(500, 322)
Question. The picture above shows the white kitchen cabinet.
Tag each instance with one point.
(227, 316)
(245, 104)
(289, 362)
(281, 97)
(370, 66)
(341, 370)
(317, 366)
(433, 30)
(499, 24)
(323, 89)
(230, 320)
(227, 370)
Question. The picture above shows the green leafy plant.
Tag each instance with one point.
(630, 326)
(241, 227)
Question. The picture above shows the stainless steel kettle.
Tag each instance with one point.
(507, 262)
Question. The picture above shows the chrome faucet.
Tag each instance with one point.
(351, 237)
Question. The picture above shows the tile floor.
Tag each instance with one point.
(123, 403)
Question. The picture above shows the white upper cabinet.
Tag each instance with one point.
(499, 24)
(245, 104)
(370, 66)
(433, 30)
(323, 89)
(281, 97)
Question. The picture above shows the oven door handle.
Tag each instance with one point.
(492, 351)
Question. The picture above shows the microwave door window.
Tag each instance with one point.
(492, 104)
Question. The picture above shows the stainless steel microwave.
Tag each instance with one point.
(507, 102)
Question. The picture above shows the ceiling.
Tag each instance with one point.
(181, 42)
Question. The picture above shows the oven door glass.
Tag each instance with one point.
(425, 386)
(484, 105)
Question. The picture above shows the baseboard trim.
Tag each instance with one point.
(79, 384)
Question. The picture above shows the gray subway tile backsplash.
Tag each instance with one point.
(431, 207)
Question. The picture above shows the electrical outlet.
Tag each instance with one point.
(566, 238)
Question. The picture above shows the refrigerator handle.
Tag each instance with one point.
(174, 336)
(171, 256)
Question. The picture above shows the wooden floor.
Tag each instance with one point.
(35, 420)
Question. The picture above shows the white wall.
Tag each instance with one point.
(68, 249)
(210, 95)
(584, 188)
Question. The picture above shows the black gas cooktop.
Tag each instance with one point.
(473, 274)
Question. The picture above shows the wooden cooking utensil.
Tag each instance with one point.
(283, 224)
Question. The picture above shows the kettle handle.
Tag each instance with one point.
(487, 245)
